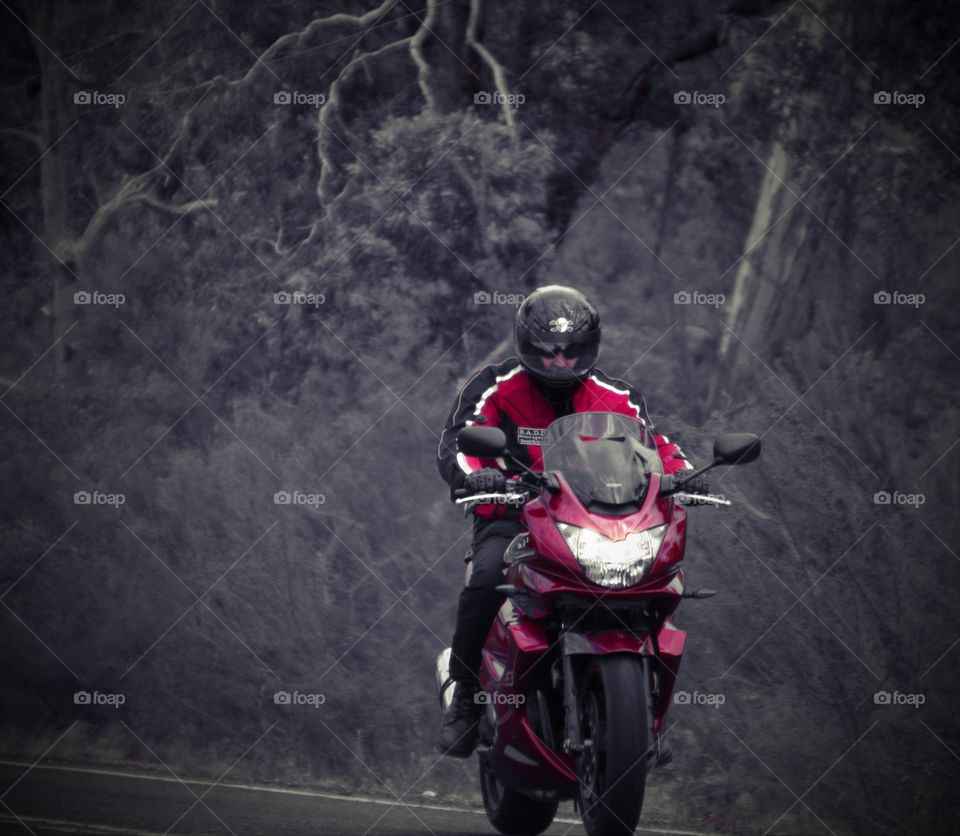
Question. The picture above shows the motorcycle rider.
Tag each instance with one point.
(557, 341)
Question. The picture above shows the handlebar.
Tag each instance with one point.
(530, 481)
(464, 497)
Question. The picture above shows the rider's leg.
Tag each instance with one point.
(479, 599)
(478, 605)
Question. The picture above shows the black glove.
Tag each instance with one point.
(692, 488)
(485, 480)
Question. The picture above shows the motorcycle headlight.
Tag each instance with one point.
(614, 564)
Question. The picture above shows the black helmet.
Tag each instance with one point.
(555, 321)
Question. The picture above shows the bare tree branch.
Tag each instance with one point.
(365, 20)
(325, 137)
(175, 208)
(132, 190)
(499, 75)
(416, 53)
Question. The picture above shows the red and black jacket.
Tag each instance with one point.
(506, 396)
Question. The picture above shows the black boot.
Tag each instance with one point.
(460, 724)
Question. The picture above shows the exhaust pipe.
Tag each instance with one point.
(444, 682)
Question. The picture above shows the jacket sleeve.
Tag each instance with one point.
(671, 455)
(475, 404)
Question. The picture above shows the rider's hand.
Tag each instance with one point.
(698, 485)
(692, 489)
(485, 480)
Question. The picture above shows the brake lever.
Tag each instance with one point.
(539, 480)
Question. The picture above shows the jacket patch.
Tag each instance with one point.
(530, 436)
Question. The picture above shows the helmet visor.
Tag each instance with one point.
(559, 360)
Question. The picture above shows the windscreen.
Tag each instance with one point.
(604, 456)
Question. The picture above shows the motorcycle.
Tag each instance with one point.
(579, 667)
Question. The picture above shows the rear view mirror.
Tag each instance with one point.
(736, 448)
(482, 442)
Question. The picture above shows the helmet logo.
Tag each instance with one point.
(561, 325)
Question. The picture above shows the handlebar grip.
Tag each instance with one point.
(460, 493)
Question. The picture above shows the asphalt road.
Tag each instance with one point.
(57, 799)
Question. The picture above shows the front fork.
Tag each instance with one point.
(572, 727)
(572, 730)
(653, 698)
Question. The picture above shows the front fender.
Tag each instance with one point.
(605, 642)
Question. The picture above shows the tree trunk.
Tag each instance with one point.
(53, 190)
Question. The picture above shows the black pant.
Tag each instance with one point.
(479, 600)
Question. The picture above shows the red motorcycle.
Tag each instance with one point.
(581, 661)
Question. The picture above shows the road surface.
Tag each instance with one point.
(61, 799)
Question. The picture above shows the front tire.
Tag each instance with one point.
(612, 770)
(511, 812)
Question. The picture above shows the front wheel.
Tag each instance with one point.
(509, 811)
(612, 771)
